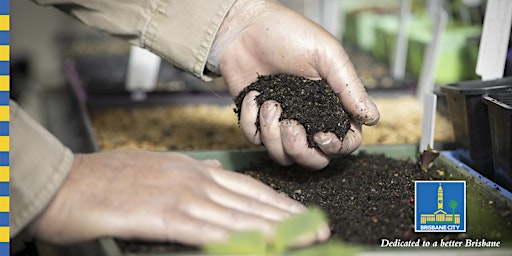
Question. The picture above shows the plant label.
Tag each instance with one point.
(492, 53)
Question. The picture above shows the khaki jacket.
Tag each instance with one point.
(179, 31)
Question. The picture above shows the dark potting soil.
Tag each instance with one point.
(367, 197)
(312, 103)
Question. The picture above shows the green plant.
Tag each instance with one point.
(427, 157)
(453, 204)
(287, 232)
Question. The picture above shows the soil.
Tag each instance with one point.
(312, 103)
(190, 127)
(367, 197)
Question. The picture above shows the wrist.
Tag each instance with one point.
(240, 16)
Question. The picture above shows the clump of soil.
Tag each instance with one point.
(312, 103)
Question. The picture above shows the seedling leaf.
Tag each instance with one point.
(427, 158)
(287, 232)
(246, 242)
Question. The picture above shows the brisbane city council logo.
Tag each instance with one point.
(440, 206)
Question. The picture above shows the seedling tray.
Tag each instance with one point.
(470, 120)
(479, 189)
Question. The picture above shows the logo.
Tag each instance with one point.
(440, 206)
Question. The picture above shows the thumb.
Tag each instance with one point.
(340, 73)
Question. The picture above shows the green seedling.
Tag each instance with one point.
(287, 233)
(427, 158)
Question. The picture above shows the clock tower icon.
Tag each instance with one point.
(440, 197)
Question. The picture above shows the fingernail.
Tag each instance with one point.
(212, 162)
(372, 112)
(323, 233)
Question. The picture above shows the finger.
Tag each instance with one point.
(245, 203)
(248, 116)
(352, 139)
(322, 234)
(270, 112)
(342, 76)
(245, 185)
(329, 143)
(187, 234)
(164, 225)
(229, 218)
(332, 145)
(296, 146)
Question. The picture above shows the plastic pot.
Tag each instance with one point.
(499, 107)
(469, 118)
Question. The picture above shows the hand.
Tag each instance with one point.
(134, 194)
(264, 37)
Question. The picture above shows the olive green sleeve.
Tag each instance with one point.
(179, 31)
(39, 163)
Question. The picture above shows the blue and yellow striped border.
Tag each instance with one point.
(4, 126)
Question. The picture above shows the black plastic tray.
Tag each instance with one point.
(469, 118)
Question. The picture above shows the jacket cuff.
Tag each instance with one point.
(39, 165)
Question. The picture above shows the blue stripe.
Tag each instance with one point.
(4, 98)
(4, 68)
(4, 128)
(4, 37)
(4, 188)
(4, 7)
(4, 248)
(4, 158)
(4, 219)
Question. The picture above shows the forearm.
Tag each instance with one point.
(181, 32)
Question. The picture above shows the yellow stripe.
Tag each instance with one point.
(4, 234)
(4, 143)
(4, 204)
(4, 52)
(4, 173)
(4, 83)
(4, 113)
(4, 22)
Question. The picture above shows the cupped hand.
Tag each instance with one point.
(262, 37)
(134, 194)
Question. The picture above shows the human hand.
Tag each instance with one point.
(263, 37)
(133, 194)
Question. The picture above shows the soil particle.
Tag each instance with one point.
(312, 103)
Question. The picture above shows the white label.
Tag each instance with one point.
(429, 121)
(494, 42)
(143, 68)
